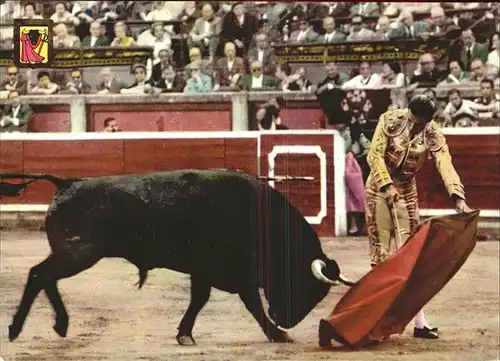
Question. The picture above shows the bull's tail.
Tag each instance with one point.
(14, 189)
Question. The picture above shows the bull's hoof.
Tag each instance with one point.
(185, 340)
(14, 331)
(282, 337)
(61, 327)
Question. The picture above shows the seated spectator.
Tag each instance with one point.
(358, 31)
(14, 82)
(109, 84)
(458, 108)
(331, 35)
(405, 28)
(140, 85)
(121, 39)
(478, 71)
(366, 9)
(456, 75)
(437, 25)
(494, 55)
(239, 28)
(29, 12)
(158, 40)
(426, 72)
(229, 70)
(198, 82)
(365, 80)
(195, 55)
(333, 78)
(15, 116)
(63, 39)
(165, 56)
(490, 99)
(305, 34)
(170, 82)
(257, 80)
(298, 82)
(111, 125)
(263, 53)
(95, 39)
(205, 31)
(188, 15)
(383, 29)
(471, 50)
(392, 76)
(283, 71)
(45, 86)
(76, 85)
(268, 119)
(160, 12)
(62, 15)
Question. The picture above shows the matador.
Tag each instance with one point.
(403, 140)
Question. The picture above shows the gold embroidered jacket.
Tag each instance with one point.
(394, 156)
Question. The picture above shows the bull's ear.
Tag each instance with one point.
(332, 270)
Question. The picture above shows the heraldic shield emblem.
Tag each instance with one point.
(33, 43)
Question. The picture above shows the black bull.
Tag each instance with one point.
(225, 228)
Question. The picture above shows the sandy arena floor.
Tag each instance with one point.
(111, 320)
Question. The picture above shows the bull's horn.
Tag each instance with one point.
(317, 269)
(345, 280)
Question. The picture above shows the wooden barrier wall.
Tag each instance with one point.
(475, 152)
(91, 154)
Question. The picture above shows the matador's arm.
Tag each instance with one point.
(442, 159)
(376, 156)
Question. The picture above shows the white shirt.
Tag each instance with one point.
(468, 107)
(93, 40)
(494, 58)
(257, 82)
(302, 35)
(374, 81)
(15, 111)
(260, 55)
(230, 64)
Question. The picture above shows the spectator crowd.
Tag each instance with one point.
(205, 47)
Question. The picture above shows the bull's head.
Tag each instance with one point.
(296, 274)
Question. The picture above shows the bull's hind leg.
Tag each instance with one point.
(200, 293)
(253, 303)
(45, 276)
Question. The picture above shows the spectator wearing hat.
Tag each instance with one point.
(331, 35)
(239, 28)
(305, 34)
(95, 39)
(140, 85)
(263, 53)
(359, 32)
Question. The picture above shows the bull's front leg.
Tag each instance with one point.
(253, 303)
(200, 293)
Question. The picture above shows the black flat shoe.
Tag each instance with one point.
(427, 333)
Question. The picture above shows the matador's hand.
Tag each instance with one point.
(461, 206)
(391, 194)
